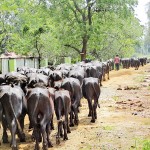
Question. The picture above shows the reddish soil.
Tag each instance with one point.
(123, 120)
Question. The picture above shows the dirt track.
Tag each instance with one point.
(123, 120)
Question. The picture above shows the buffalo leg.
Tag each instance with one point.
(48, 134)
(5, 136)
(43, 131)
(104, 77)
(90, 108)
(52, 124)
(68, 128)
(22, 134)
(71, 118)
(95, 107)
(108, 75)
(36, 136)
(75, 109)
(65, 129)
(13, 129)
(58, 133)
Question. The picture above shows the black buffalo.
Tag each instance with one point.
(40, 111)
(126, 63)
(55, 75)
(14, 109)
(62, 105)
(73, 86)
(77, 73)
(34, 78)
(91, 91)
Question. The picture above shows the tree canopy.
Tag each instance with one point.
(147, 31)
(92, 29)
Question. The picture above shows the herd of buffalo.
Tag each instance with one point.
(41, 92)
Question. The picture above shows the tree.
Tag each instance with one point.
(147, 31)
(85, 28)
(88, 25)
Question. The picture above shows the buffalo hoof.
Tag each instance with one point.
(32, 138)
(65, 138)
(71, 125)
(57, 141)
(78, 110)
(23, 138)
(52, 128)
(45, 147)
(89, 115)
(39, 139)
(5, 140)
(61, 135)
(30, 127)
(68, 131)
(93, 121)
(14, 148)
(76, 122)
(37, 147)
(50, 144)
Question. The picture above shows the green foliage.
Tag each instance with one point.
(146, 145)
(53, 28)
(108, 128)
(147, 31)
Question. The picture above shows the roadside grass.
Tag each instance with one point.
(146, 145)
(116, 98)
(147, 122)
(108, 128)
(139, 78)
(88, 147)
(148, 87)
(141, 144)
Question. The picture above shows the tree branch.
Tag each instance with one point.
(75, 13)
(77, 8)
(76, 49)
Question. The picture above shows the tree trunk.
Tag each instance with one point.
(84, 48)
(39, 58)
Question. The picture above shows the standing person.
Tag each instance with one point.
(117, 62)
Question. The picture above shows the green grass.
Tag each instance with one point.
(87, 147)
(108, 128)
(141, 144)
(116, 98)
(148, 87)
(146, 145)
(139, 78)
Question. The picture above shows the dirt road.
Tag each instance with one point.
(123, 120)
